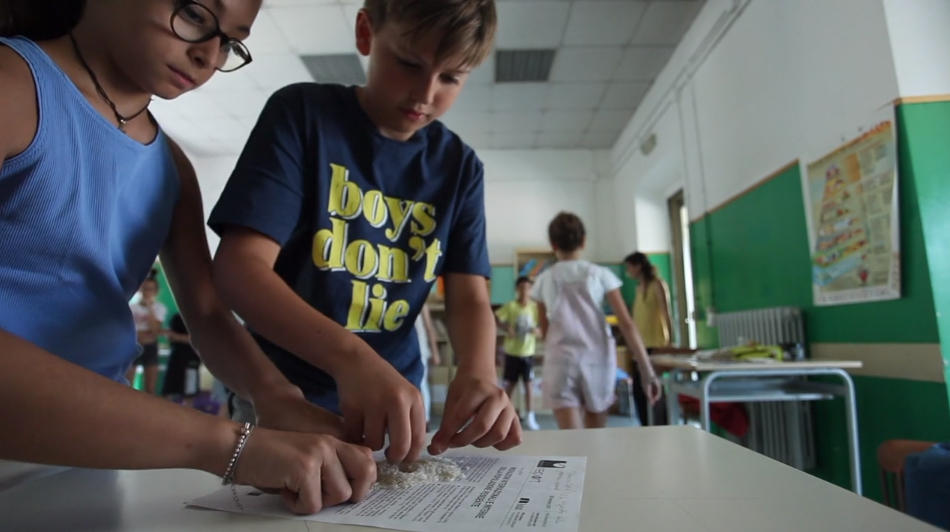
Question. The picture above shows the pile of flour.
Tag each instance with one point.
(424, 471)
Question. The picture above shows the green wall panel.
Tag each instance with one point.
(760, 258)
(887, 409)
(502, 284)
(924, 134)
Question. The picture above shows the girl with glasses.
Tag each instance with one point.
(91, 190)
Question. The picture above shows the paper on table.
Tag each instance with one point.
(502, 491)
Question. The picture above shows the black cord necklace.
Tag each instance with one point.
(123, 120)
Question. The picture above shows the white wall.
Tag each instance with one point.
(213, 173)
(523, 191)
(773, 82)
(920, 39)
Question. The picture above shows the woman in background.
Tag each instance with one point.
(149, 314)
(651, 313)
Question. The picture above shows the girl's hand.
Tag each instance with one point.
(653, 387)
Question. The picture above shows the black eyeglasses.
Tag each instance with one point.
(195, 23)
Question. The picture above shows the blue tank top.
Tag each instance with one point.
(84, 212)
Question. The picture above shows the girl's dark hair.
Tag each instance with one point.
(566, 232)
(39, 20)
(647, 268)
(153, 276)
(521, 280)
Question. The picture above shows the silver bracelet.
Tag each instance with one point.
(228, 477)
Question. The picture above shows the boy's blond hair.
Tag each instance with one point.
(467, 27)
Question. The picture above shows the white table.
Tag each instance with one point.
(668, 479)
(750, 382)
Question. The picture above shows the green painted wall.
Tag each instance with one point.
(926, 136)
(753, 253)
(887, 409)
(760, 258)
(502, 284)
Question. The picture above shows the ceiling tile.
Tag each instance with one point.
(603, 23)
(621, 95)
(575, 95)
(643, 64)
(247, 122)
(349, 14)
(278, 71)
(242, 104)
(600, 139)
(508, 121)
(478, 141)
(574, 120)
(239, 80)
(321, 29)
(484, 74)
(585, 64)
(560, 139)
(514, 140)
(531, 24)
(611, 119)
(266, 38)
(666, 22)
(474, 98)
(515, 96)
(199, 105)
(468, 122)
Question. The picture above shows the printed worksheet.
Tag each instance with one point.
(507, 492)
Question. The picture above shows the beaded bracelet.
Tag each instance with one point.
(229, 473)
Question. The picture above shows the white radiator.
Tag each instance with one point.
(781, 431)
(768, 326)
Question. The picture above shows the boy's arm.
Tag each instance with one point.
(223, 344)
(245, 277)
(502, 317)
(474, 394)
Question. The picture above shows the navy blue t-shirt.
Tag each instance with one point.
(365, 223)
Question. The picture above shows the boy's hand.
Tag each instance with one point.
(375, 399)
(293, 413)
(493, 418)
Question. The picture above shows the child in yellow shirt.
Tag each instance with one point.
(519, 320)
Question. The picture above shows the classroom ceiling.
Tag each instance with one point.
(606, 55)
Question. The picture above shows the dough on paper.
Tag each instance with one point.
(424, 471)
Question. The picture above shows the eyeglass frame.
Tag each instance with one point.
(225, 38)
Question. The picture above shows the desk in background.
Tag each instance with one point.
(751, 382)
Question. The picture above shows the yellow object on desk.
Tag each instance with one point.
(612, 320)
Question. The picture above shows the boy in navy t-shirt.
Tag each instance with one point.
(345, 206)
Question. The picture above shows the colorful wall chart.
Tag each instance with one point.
(852, 209)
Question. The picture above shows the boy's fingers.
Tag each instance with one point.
(353, 427)
(400, 435)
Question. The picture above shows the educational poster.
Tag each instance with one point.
(852, 208)
(502, 492)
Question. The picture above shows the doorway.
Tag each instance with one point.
(684, 327)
